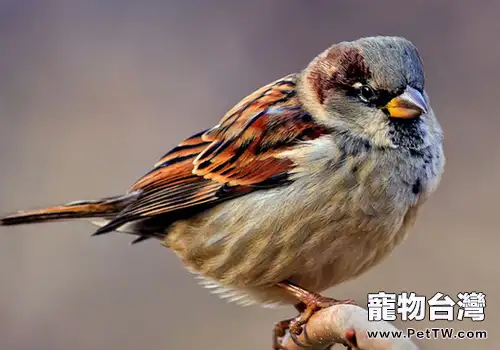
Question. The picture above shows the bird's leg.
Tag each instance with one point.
(312, 302)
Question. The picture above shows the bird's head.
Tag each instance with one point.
(372, 87)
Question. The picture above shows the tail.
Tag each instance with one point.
(102, 208)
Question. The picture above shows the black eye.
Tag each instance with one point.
(366, 93)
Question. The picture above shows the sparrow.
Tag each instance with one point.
(306, 183)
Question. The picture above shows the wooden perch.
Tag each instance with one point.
(348, 325)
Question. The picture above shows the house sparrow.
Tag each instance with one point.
(304, 184)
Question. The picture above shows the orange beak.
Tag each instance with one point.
(410, 104)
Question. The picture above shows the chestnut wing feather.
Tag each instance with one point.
(238, 156)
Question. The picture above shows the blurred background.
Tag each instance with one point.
(92, 93)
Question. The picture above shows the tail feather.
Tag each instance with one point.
(105, 207)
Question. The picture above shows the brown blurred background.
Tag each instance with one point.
(92, 93)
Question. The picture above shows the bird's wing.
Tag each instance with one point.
(240, 155)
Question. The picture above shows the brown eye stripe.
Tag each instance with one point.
(350, 68)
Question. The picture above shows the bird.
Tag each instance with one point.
(304, 184)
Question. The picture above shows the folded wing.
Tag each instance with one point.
(240, 155)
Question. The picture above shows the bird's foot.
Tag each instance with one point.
(279, 332)
(310, 303)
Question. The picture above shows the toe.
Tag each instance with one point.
(295, 327)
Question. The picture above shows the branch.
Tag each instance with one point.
(348, 325)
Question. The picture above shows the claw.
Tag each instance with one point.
(279, 332)
(310, 303)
